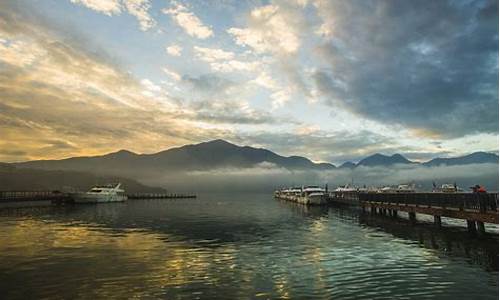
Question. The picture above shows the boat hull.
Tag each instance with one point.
(92, 198)
(307, 200)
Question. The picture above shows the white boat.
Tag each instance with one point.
(402, 188)
(346, 188)
(448, 188)
(310, 195)
(101, 194)
(313, 195)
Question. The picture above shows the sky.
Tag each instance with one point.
(330, 80)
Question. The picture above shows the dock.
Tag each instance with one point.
(475, 208)
(57, 197)
(160, 196)
(25, 196)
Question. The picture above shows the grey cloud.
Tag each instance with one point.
(216, 100)
(230, 112)
(336, 147)
(431, 65)
(210, 84)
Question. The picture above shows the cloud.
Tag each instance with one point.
(174, 75)
(230, 112)
(223, 61)
(174, 50)
(280, 98)
(216, 99)
(210, 84)
(137, 8)
(271, 29)
(319, 145)
(265, 177)
(431, 66)
(107, 7)
(212, 54)
(188, 21)
(55, 90)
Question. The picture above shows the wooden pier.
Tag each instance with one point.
(476, 209)
(25, 196)
(57, 197)
(160, 196)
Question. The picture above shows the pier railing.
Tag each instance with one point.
(6, 196)
(17, 196)
(160, 196)
(461, 201)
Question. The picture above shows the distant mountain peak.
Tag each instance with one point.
(473, 158)
(122, 152)
(378, 159)
(218, 142)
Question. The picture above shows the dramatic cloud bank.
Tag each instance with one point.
(332, 80)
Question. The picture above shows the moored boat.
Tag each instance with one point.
(309, 195)
(402, 188)
(101, 194)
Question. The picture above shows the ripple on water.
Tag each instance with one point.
(229, 248)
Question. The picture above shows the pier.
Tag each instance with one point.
(160, 196)
(476, 209)
(24, 196)
(57, 197)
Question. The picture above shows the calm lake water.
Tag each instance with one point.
(236, 247)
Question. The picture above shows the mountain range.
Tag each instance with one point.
(222, 154)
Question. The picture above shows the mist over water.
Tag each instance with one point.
(266, 177)
(236, 246)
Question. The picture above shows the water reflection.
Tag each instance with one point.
(450, 241)
(229, 248)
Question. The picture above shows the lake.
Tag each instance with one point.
(236, 246)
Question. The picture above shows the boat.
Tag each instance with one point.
(309, 195)
(101, 194)
(346, 188)
(402, 188)
(449, 188)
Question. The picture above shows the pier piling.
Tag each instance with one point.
(471, 226)
(437, 221)
(480, 228)
(412, 216)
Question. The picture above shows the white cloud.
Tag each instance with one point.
(223, 61)
(280, 98)
(174, 50)
(139, 9)
(212, 54)
(172, 74)
(271, 30)
(266, 81)
(188, 21)
(150, 86)
(107, 7)
(234, 65)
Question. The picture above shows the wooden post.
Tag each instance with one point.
(480, 228)
(437, 221)
(471, 226)
(394, 213)
(412, 216)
